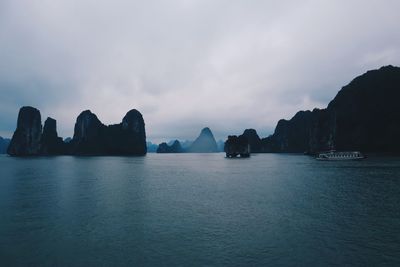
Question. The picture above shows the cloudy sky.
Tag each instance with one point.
(186, 64)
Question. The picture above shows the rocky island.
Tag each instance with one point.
(91, 137)
(363, 116)
(204, 143)
(237, 146)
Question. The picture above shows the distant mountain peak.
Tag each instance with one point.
(204, 143)
(206, 131)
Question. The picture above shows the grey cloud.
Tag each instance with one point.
(228, 65)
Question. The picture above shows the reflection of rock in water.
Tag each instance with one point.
(236, 146)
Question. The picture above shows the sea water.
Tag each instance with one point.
(199, 210)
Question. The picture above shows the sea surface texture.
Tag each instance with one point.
(199, 210)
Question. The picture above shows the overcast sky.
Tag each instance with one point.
(184, 65)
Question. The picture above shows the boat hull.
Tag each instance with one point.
(339, 159)
(340, 156)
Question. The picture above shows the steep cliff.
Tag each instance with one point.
(128, 137)
(367, 112)
(27, 136)
(364, 115)
(91, 137)
(50, 143)
(254, 140)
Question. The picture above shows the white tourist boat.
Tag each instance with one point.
(343, 155)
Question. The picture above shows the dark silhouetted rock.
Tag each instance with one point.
(365, 113)
(174, 148)
(254, 140)
(4, 143)
(128, 137)
(290, 136)
(237, 145)
(91, 137)
(50, 143)
(205, 143)
(27, 136)
(133, 129)
(364, 116)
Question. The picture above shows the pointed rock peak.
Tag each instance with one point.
(87, 125)
(87, 113)
(176, 142)
(133, 121)
(87, 117)
(51, 144)
(205, 143)
(133, 113)
(50, 124)
(251, 132)
(206, 131)
(50, 129)
(26, 138)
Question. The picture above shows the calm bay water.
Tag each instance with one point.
(199, 210)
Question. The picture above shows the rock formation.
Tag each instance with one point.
(91, 137)
(4, 143)
(50, 143)
(27, 136)
(128, 137)
(364, 116)
(254, 140)
(205, 143)
(237, 145)
(174, 148)
(290, 136)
